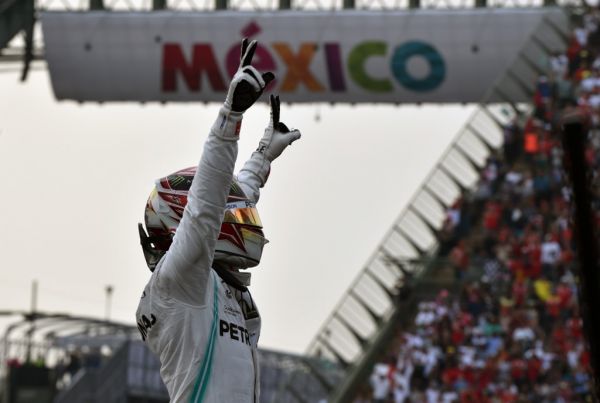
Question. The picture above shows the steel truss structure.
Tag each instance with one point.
(208, 5)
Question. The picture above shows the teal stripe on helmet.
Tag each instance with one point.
(204, 374)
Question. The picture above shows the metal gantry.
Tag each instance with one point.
(21, 42)
(207, 5)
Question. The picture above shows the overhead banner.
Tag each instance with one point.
(343, 56)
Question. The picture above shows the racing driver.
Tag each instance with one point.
(196, 313)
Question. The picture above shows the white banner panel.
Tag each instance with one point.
(343, 56)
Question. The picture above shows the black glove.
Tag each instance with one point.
(247, 85)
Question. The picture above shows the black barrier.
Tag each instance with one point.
(574, 140)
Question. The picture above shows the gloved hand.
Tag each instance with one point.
(247, 84)
(277, 135)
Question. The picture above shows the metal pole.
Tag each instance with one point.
(574, 142)
(159, 4)
(34, 292)
(109, 290)
(96, 4)
(28, 30)
(32, 317)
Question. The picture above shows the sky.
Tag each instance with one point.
(76, 178)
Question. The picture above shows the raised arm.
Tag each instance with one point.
(184, 271)
(277, 137)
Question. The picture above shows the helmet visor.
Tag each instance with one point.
(243, 215)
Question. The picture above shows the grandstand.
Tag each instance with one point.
(510, 329)
(464, 299)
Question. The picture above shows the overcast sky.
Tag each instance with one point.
(75, 180)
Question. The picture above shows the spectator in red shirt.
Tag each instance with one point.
(459, 259)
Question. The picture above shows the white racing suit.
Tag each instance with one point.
(204, 331)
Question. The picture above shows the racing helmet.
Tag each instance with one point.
(241, 239)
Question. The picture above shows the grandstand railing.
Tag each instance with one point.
(366, 313)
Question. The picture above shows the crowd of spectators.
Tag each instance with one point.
(513, 332)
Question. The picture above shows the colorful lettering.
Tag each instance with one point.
(298, 67)
(437, 68)
(334, 67)
(356, 66)
(202, 66)
(203, 61)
